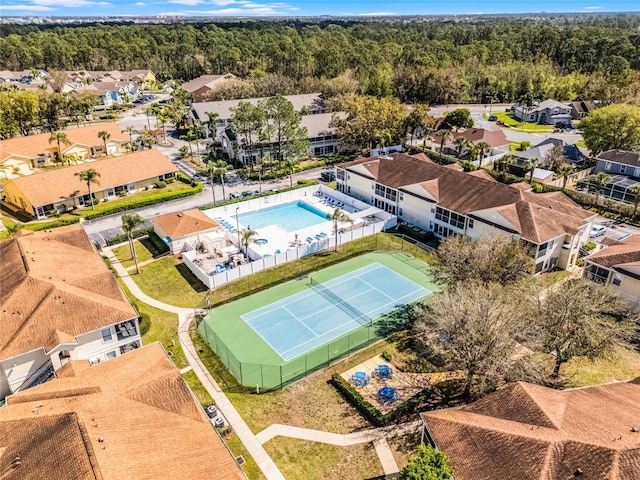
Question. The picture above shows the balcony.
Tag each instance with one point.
(126, 330)
(129, 347)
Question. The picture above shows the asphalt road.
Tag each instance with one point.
(104, 228)
(615, 230)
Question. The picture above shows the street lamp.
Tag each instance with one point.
(238, 228)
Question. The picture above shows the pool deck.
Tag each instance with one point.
(279, 240)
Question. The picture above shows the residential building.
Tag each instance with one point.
(495, 139)
(533, 432)
(59, 190)
(60, 302)
(113, 93)
(624, 168)
(323, 140)
(26, 155)
(617, 264)
(581, 108)
(550, 112)
(572, 153)
(200, 88)
(190, 226)
(449, 202)
(131, 418)
(306, 104)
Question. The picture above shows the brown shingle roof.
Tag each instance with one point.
(537, 217)
(532, 432)
(32, 145)
(132, 417)
(201, 81)
(54, 287)
(52, 186)
(476, 135)
(183, 223)
(624, 252)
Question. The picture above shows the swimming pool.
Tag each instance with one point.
(289, 216)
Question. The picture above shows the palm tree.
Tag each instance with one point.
(104, 135)
(504, 161)
(13, 228)
(444, 135)
(290, 165)
(483, 149)
(59, 137)
(212, 124)
(636, 201)
(461, 143)
(530, 165)
(130, 221)
(247, 236)
(473, 151)
(163, 118)
(339, 216)
(130, 130)
(217, 169)
(69, 159)
(90, 176)
(599, 181)
(189, 137)
(565, 172)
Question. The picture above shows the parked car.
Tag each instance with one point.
(493, 118)
(233, 195)
(598, 231)
(328, 176)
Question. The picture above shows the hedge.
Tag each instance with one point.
(300, 184)
(370, 412)
(123, 236)
(61, 222)
(136, 203)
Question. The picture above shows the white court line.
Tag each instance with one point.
(298, 320)
(375, 288)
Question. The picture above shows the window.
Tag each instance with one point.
(110, 192)
(131, 186)
(623, 169)
(110, 355)
(471, 223)
(106, 334)
(400, 211)
(401, 196)
(607, 166)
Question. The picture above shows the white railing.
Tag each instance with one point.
(222, 278)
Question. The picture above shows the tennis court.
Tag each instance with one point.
(280, 334)
(299, 323)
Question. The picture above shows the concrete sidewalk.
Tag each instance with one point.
(251, 443)
(376, 436)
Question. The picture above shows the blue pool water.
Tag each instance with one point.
(289, 216)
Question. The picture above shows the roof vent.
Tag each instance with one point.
(635, 429)
(180, 214)
(578, 472)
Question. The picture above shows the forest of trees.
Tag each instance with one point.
(430, 62)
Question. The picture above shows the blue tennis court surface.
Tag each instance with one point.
(297, 324)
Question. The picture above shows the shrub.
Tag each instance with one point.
(160, 184)
(350, 394)
(134, 203)
(60, 222)
(386, 356)
(135, 234)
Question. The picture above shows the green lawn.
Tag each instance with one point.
(519, 126)
(250, 467)
(197, 388)
(304, 460)
(170, 281)
(163, 328)
(123, 254)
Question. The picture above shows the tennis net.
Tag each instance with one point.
(347, 308)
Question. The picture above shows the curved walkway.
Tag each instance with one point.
(253, 443)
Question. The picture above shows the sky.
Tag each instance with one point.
(302, 7)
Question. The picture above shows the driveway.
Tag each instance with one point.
(615, 230)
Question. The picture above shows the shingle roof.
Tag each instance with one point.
(55, 286)
(202, 81)
(537, 217)
(30, 146)
(179, 224)
(52, 186)
(623, 252)
(476, 135)
(621, 156)
(533, 432)
(132, 417)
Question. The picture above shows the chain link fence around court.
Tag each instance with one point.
(266, 376)
(269, 376)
